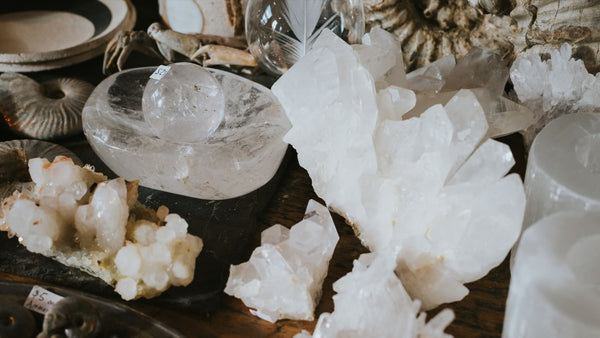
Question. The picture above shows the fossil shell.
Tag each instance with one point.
(44, 111)
(431, 29)
(14, 155)
(549, 23)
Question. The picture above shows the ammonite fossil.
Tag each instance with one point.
(43, 111)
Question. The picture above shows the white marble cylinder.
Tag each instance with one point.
(555, 285)
(563, 169)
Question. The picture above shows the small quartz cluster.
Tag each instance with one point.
(284, 276)
(83, 220)
(550, 88)
(365, 294)
(413, 171)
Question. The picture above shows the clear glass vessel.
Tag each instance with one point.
(279, 32)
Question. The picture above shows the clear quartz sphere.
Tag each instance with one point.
(186, 105)
(279, 32)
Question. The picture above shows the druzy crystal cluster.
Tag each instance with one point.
(552, 87)
(81, 219)
(429, 190)
(284, 276)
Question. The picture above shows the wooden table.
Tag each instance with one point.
(480, 314)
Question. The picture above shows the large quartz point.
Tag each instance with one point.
(563, 169)
(556, 86)
(239, 156)
(371, 302)
(430, 191)
(555, 283)
(284, 276)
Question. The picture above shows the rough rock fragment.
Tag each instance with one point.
(284, 276)
(428, 190)
(83, 220)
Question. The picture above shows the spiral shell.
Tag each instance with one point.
(431, 29)
(43, 111)
(547, 24)
(14, 157)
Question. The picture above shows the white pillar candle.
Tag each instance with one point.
(555, 285)
(563, 170)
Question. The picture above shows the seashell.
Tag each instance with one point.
(431, 29)
(547, 24)
(44, 111)
(14, 155)
(222, 17)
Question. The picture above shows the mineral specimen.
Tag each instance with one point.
(240, 156)
(429, 191)
(284, 276)
(559, 85)
(555, 280)
(563, 168)
(83, 220)
(372, 285)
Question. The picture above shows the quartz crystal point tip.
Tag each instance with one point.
(284, 276)
(430, 191)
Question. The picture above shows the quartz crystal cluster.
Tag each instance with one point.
(371, 302)
(429, 191)
(555, 281)
(559, 85)
(81, 219)
(284, 276)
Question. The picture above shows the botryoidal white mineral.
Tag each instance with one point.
(79, 218)
(430, 191)
(559, 85)
(284, 276)
(371, 302)
(555, 281)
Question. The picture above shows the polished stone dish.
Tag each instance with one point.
(241, 155)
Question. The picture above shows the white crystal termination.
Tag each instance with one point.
(560, 85)
(284, 276)
(93, 231)
(555, 285)
(371, 302)
(419, 189)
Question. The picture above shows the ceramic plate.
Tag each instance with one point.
(57, 34)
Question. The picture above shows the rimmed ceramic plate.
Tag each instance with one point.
(119, 320)
(59, 33)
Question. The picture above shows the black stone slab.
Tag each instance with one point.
(226, 227)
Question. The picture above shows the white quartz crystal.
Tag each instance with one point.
(559, 85)
(421, 189)
(563, 168)
(83, 220)
(555, 282)
(284, 276)
(371, 302)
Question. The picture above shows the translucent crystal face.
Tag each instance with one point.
(280, 32)
(186, 105)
